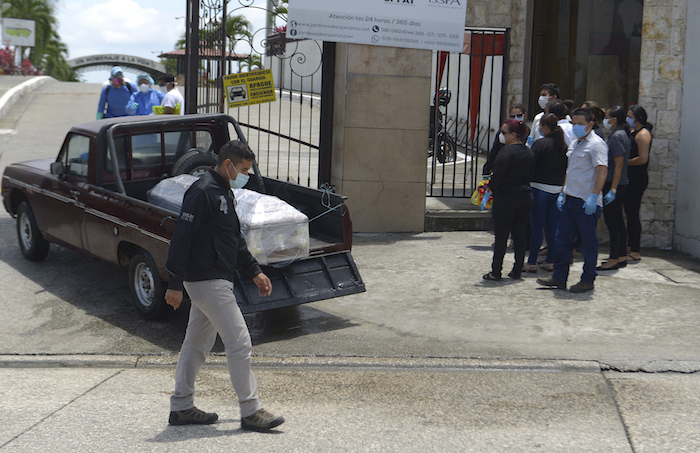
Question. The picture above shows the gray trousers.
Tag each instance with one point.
(214, 309)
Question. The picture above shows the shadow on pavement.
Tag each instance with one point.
(100, 289)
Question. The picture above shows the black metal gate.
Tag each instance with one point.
(290, 137)
(464, 129)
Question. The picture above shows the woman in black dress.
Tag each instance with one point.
(638, 177)
(512, 197)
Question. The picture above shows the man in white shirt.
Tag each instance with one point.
(580, 203)
(548, 93)
(173, 102)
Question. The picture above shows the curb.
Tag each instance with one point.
(379, 363)
(458, 220)
(14, 93)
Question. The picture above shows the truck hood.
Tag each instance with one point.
(40, 164)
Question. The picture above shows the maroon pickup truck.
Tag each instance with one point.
(80, 202)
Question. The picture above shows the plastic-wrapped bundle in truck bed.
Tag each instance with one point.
(275, 231)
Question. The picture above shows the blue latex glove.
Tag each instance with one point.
(609, 198)
(485, 200)
(134, 106)
(591, 204)
(100, 115)
(530, 141)
(560, 201)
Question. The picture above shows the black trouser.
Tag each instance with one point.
(632, 201)
(615, 222)
(511, 213)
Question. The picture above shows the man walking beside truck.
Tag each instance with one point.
(206, 248)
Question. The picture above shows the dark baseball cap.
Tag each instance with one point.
(167, 77)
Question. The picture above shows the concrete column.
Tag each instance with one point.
(380, 135)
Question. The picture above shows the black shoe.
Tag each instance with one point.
(581, 287)
(192, 416)
(549, 281)
(618, 265)
(262, 420)
(515, 276)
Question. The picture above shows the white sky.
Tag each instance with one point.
(130, 27)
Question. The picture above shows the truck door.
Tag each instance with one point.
(65, 207)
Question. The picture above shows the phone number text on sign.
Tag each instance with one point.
(418, 24)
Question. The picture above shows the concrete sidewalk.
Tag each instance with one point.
(117, 404)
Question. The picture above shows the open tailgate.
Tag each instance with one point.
(311, 279)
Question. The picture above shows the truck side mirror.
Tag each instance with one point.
(57, 168)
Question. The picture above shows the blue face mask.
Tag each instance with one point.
(630, 121)
(240, 181)
(579, 130)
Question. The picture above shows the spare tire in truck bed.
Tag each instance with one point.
(194, 162)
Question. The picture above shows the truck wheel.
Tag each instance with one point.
(147, 288)
(194, 162)
(33, 245)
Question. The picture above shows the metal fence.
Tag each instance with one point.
(289, 136)
(475, 79)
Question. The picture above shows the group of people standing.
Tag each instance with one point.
(121, 98)
(559, 177)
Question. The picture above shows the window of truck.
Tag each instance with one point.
(151, 155)
(76, 156)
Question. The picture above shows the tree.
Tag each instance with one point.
(238, 29)
(55, 62)
(251, 63)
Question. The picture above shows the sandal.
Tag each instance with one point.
(491, 277)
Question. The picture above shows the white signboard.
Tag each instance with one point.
(417, 24)
(18, 32)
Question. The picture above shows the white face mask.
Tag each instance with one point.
(607, 124)
(144, 88)
(543, 101)
(240, 181)
(164, 89)
(501, 138)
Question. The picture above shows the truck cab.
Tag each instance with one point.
(93, 198)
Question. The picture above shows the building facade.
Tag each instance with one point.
(615, 52)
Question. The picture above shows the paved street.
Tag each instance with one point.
(430, 358)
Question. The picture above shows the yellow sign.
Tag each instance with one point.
(249, 88)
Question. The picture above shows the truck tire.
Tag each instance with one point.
(146, 286)
(33, 245)
(194, 162)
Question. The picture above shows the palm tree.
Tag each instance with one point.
(55, 62)
(238, 28)
(252, 63)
